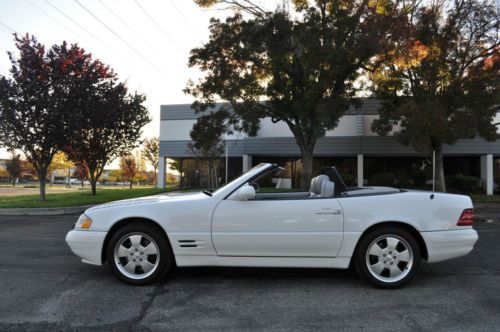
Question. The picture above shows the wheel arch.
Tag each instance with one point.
(127, 221)
(403, 225)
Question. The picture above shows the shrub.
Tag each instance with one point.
(402, 181)
(381, 179)
(463, 183)
(419, 177)
(349, 179)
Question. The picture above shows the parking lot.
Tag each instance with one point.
(45, 287)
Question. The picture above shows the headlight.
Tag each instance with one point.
(83, 222)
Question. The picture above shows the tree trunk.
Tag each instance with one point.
(41, 177)
(156, 176)
(307, 166)
(93, 184)
(130, 183)
(210, 174)
(440, 182)
(14, 182)
(82, 183)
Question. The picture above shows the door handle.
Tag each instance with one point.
(328, 211)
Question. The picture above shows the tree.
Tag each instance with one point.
(115, 175)
(34, 109)
(151, 153)
(442, 83)
(14, 167)
(81, 173)
(59, 162)
(128, 168)
(298, 67)
(111, 121)
(4, 174)
(207, 141)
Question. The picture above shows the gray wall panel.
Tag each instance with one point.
(332, 146)
(181, 112)
(185, 112)
(176, 149)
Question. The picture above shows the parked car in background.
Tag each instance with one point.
(383, 232)
(60, 180)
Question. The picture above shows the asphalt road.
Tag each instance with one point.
(44, 287)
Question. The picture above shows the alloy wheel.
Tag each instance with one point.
(389, 258)
(136, 255)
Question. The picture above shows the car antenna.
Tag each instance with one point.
(433, 173)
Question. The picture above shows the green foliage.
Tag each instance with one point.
(464, 183)
(35, 100)
(14, 167)
(111, 121)
(442, 83)
(81, 173)
(349, 179)
(151, 152)
(63, 100)
(403, 181)
(382, 179)
(419, 177)
(129, 168)
(207, 135)
(298, 67)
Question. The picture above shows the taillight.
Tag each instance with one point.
(466, 218)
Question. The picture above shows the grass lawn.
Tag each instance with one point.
(482, 198)
(76, 198)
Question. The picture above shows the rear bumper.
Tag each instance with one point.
(443, 245)
(87, 245)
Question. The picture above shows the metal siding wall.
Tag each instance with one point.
(271, 146)
(176, 149)
(181, 112)
(184, 111)
(384, 145)
(472, 146)
(332, 146)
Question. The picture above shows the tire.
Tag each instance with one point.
(388, 257)
(139, 254)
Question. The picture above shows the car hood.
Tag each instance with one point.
(148, 200)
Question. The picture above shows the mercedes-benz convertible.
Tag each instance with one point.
(382, 232)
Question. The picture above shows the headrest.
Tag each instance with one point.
(317, 182)
(327, 188)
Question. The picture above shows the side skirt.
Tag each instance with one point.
(298, 262)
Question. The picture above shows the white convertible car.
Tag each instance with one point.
(383, 232)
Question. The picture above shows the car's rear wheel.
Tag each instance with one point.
(388, 257)
(139, 254)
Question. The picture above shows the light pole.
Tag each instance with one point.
(227, 159)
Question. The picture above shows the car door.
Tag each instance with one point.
(308, 227)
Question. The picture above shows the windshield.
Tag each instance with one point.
(238, 178)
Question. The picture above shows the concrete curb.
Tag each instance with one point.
(43, 211)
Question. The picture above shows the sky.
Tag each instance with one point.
(147, 42)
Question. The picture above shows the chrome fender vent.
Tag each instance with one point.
(188, 243)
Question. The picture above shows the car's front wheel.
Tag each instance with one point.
(388, 257)
(139, 254)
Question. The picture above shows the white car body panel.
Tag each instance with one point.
(279, 228)
(215, 231)
(414, 208)
(443, 245)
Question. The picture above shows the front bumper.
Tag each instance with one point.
(443, 245)
(87, 245)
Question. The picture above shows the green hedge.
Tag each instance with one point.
(382, 179)
(349, 179)
(463, 183)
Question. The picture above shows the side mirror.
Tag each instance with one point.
(243, 194)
